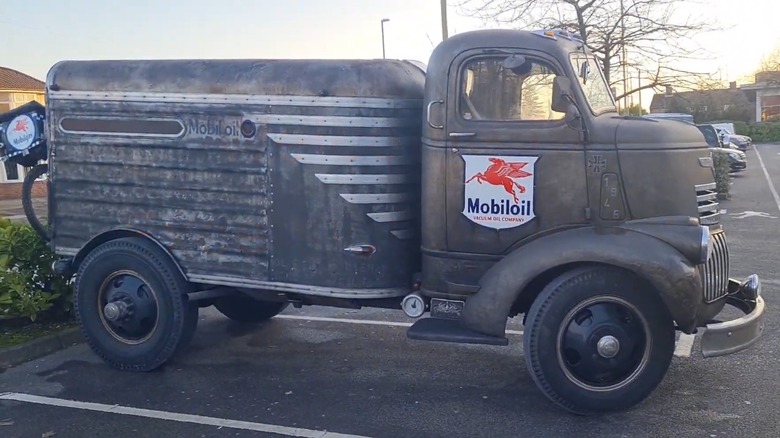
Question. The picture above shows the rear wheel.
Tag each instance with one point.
(132, 306)
(243, 308)
(597, 339)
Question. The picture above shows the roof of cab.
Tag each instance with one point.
(504, 38)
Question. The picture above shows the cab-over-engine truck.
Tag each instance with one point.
(498, 181)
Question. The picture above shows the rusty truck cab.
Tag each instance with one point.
(533, 186)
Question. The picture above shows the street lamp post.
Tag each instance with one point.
(384, 20)
(444, 29)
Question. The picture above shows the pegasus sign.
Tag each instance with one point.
(499, 192)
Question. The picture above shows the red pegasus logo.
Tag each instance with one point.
(20, 126)
(501, 173)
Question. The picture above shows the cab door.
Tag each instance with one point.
(514, 167)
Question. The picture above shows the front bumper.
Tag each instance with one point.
(722, 338)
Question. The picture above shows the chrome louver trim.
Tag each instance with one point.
(386, 190)
(708, 206)
(337, 140)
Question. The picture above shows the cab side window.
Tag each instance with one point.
(491, 91)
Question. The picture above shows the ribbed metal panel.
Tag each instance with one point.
(715, 273)
(206, 201)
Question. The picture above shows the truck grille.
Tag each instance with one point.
(715, 273)
(707, 198)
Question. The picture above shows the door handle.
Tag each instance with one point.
(428, 114)
(462, 134)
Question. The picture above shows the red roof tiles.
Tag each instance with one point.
(13, 80)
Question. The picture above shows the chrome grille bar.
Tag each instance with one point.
(715, 273)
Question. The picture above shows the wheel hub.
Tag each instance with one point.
(128, 308)
(608, 346)
(117, 311)
(602, 343)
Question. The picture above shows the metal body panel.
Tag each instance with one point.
(325, 164)
(675, 278)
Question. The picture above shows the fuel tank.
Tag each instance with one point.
(288, 175)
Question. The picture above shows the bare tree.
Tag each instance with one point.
(770, 61)
(651, 37)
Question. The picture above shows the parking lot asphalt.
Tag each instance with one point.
(325, 372)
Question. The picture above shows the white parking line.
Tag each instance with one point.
(682, 349)
(173, 416)
(363, 321)
(684, 345)
(768, 179)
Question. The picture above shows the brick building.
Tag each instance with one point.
(16, 89)
(756, 102)
(764, 93)
(706, 105)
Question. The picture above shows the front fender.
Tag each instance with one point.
(665, 267)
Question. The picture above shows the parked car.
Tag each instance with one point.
(743, 142)
(737, 158)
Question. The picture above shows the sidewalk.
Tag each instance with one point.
(12, 208)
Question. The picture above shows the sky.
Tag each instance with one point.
(38, 34)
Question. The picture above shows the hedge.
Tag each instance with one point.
(759, 132)
(29, 288)
(722, 175)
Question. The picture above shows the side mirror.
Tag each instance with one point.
(562, 102)
(561, 94)
(585, 71)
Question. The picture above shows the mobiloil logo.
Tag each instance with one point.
(499, 191)
(213, 127)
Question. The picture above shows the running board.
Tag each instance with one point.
(450, 330)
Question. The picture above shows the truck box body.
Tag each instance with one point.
(252, 173)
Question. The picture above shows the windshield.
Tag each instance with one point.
(709, 135)
(591, 80)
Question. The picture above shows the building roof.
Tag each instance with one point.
(697, 98)
(13, 80)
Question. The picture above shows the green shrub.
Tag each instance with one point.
(759, 132)
(741, 128)
(722, 176)
(28, 286)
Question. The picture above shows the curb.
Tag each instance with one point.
(37, 348)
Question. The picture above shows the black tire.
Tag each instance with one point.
(242, 308)
(136, 271)
(565, 361)
(27, 204)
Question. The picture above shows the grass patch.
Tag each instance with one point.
(11, 336)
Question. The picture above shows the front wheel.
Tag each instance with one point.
(597, 340)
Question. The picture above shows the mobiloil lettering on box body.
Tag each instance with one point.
(500, 190)
(216, 127)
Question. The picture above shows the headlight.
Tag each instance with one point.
(706, 244)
